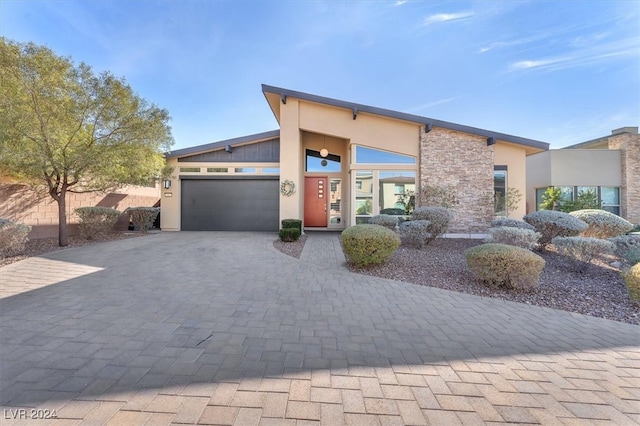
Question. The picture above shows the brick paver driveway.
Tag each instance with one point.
(219, 328)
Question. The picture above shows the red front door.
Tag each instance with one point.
(315, 201)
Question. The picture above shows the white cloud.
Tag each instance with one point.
(421, 107)
(399, 2)
(446, 17)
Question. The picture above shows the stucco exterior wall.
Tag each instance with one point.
(629, 145)
(514, 158)
(463, 162)
(21, 204)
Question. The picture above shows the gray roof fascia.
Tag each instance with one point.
(587, 143)
(272, 134)
(404, 116)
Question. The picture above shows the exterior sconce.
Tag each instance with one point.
(324, 152)
(167, 183)
(491, 141)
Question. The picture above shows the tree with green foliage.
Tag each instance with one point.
(66, 129)
(552, 199)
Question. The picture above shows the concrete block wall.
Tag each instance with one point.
(627, 140)
(21, 204)
(464, 162)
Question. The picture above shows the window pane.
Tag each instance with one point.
(612, 209)
(271, 170)
(500, 192)
(567, 193)
(245, 169)
(397, 192)
(610, 196)
(217, 169)
(369, 155)
(539, 193)
(190, 169)
(364, 194)
(314, 162)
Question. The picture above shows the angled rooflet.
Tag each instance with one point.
(226, 144)
(275, 94)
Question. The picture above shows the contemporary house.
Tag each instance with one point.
(608, 167)
(334, 164)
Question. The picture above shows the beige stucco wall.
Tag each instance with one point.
(514, 157)
(21, 204)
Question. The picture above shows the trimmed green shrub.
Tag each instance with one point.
(13, 237)
(96, 221)
(369, 244)
(551, 224)
(416, 232)
(627, 247)
(631, 279)
(519, 237)
(142, 218)
(602, 224)
(390, 222)
(582, 250)
(289, 234)
(438, 217)
(292, 223)
(511, 223)
(502, 265)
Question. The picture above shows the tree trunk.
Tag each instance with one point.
(63, 230)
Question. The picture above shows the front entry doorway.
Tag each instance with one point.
(323, 202)
(315, 201)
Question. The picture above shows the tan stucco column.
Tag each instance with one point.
(291, 166)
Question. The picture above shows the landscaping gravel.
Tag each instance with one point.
(292, 248)
(599, 291)
(46, 245)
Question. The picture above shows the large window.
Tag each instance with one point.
(608, 196)
(366, 155)
(364, 195)
(396, 188)
(500, 190)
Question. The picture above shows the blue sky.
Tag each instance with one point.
(557, 71)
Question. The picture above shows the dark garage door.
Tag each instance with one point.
(230, 204)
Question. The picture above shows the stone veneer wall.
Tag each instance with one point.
(465, 163)
(20, 204)
(629, 145)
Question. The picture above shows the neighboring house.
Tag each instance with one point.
(19, 203)
(347, 162)
(608, 166)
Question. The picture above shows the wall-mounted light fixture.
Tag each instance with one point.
(491, 141)
(228, 148)
(324, 152)
(167, 183)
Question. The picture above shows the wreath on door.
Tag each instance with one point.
(287, 188)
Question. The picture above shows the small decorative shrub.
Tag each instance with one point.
(602, 224)
(143, 217)
(631, 279)
(551, 224)
(369, 244)
(390, 222)
(519, 237)
(511, 223)
(627, 247)
(502, 265)
(13, 237)
(289, 234)
(96, 221)
(416, 232)
(292, 223)
(581, 250)
(439, 218)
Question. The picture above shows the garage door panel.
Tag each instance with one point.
(230, 205)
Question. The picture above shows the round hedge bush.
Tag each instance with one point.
(632, 280)
(385, 220)
(511, 223)
(502, 265)
(438, 217)
(369, 244)
(582, 250)
(519, 237)
(415, 232)
(551, 224)
(602, 224)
